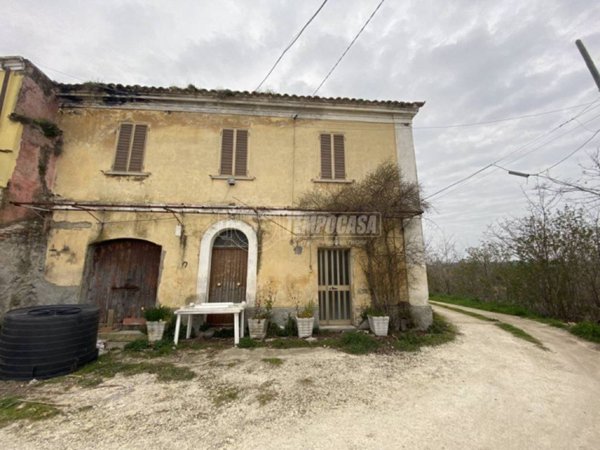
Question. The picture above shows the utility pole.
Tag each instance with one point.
(588, 61)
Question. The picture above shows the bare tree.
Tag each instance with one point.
(383, 191)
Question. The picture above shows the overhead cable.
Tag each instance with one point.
(348, 48)
(290, 45)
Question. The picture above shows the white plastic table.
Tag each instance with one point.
(237, 309)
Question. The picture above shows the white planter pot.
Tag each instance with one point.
(257, 328)
(305, 326)
(155, 330)
(379, 325)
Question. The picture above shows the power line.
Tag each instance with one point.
(290, 45)
(348, 48)
(494, 163)
(572, 153)
(506, 119)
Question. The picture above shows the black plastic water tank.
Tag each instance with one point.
(47, 341)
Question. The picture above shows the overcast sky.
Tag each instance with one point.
(471, 61)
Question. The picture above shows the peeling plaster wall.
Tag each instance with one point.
(27, 172)
(34, 167)
(22, 271)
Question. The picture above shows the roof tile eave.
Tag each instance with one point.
(119, 89)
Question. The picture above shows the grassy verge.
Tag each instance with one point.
(360, 343)
(585, 330)
(440, 332)
(471, 313)
(109, 365)
(521, 334)
(513, 310)
(13, 408)
(515, 331)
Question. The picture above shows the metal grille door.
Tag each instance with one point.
(335, 306)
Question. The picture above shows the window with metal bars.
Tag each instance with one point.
(131, 146)
(333, 157)
(234, 152)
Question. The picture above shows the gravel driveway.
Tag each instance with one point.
(487, 389)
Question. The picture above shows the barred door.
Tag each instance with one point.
(335, 305)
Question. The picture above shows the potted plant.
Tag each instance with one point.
(305, 319)
(156, 319)
(379, 321)
(263, 310)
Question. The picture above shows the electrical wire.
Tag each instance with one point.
(348, 48)
(492, 164)
(290, 45)
(572, 153)
(538, 174)
(506, 119)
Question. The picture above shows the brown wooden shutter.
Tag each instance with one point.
(241, 152)
(136, 160)
(227, 153)
(123, 143)
(326, 156)
(339, 157)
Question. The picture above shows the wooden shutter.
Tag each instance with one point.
(339, 157)
(326, 172)
(241, 152)
(123, 144)
(227, 153)
(136, 160)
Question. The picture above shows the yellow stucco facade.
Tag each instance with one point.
(10, 131)
(181, 203)
(183, 151)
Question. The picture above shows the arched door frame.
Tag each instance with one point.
(204, 260)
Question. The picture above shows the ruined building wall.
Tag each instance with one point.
(31, 144)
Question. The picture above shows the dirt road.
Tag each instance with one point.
(487, 389)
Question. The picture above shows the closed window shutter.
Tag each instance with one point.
(339, 157)
(136, 159)
(241, 152)
(123, 144)
(326, 172)
(227, 153)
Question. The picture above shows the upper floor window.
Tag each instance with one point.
(131, 145)
(234, 153)
(333, 158)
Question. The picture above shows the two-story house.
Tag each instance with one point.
(185, 195)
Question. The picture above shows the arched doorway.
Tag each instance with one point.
(121, 278)
(205, 258)
(228, 271)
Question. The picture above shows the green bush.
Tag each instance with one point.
(290, 328)
(158, 313)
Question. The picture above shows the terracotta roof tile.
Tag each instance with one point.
(118, 90)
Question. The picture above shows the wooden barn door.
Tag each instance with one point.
(335, 306)
(122, 278)
(228, 272)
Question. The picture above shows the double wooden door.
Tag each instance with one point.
(122, 278)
